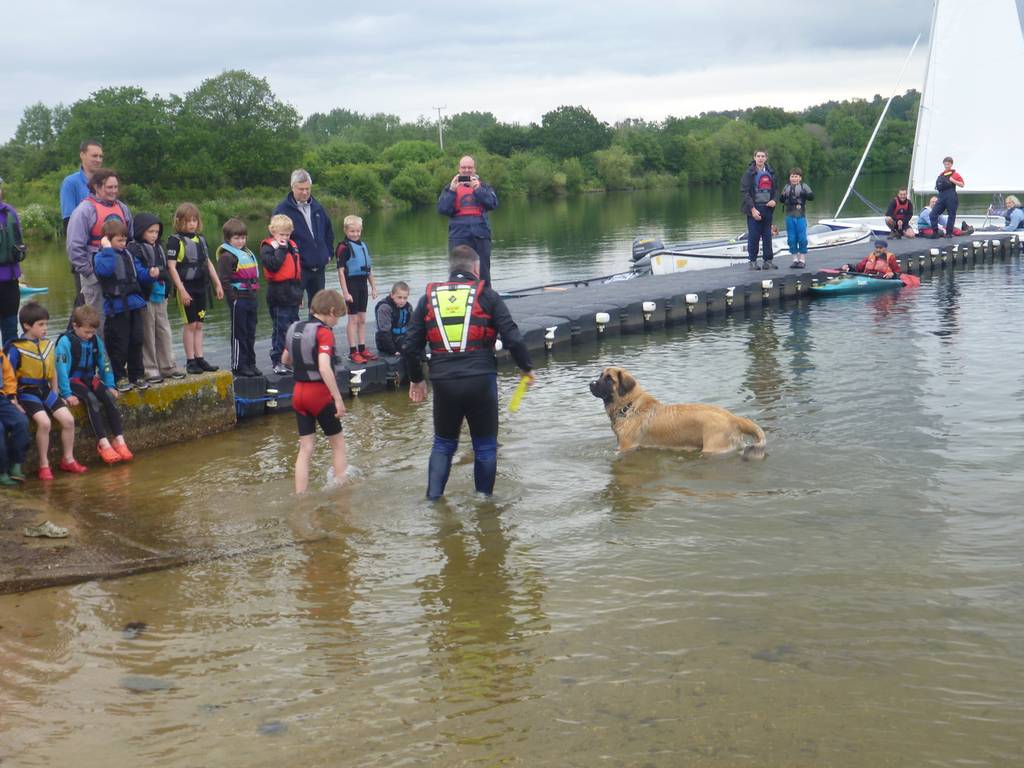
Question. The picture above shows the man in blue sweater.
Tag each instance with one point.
(313, 233)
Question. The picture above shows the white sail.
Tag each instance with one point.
(970, 108)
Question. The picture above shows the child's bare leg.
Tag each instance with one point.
(361, 328)
(302, 461)
(352, 332)
(67, 432)
(339, 458)
(198, 339)
(42, 436)
(188, 339)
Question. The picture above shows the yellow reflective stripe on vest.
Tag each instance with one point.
(453, 309)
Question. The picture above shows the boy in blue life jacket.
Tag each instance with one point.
(122, 277)
(355, 274)
(393, 314)
(33, 361)
(239, 273)
(84, 376)
(14, 439)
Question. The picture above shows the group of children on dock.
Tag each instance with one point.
(42, 378)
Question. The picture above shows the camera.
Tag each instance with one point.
(465, 179)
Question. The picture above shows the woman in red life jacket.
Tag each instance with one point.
(879, 263)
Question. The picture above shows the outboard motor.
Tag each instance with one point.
(645, 245)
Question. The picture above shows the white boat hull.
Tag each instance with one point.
(878, 226)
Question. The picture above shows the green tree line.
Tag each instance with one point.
(232, 140)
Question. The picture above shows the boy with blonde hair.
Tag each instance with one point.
(356, 279)
(280, 258)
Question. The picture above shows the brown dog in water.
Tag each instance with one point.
(639, 420)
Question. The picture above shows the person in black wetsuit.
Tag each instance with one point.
(460, 319)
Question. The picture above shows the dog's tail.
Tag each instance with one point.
(756, 449)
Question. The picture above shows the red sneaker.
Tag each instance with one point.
(123, 452)
(108, 454)
(45, 473)
(72, 466)
(369, 355)
(357, 357)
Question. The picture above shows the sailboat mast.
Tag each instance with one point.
(878, 125)
(920, 106)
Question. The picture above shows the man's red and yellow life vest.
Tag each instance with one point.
(455, 321)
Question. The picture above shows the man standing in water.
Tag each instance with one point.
(466, 202)
(75, 187)
(759, 192)
(461, 319)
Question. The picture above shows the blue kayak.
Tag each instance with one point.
(843, 284)
(27, 290)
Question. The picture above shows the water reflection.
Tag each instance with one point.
(764, 376)
(483, 615)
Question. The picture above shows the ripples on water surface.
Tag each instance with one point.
(854, 600)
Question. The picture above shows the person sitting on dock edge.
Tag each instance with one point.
(898, 215)
(879, 263)
(393, 314)
(1014, 214)
(758, 189)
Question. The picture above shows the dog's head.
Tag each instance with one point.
(612, 385)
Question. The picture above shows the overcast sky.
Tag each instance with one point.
(517, 59)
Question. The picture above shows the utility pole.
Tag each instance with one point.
(440, 125)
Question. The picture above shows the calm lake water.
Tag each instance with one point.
(856, 599)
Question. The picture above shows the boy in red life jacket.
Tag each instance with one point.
(283, 268)
(898, 215)
(316, 397)
(879, 263)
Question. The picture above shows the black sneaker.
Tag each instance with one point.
(154, 379)
(177, 375)
(201, 362)
(193, 367)
(753, 265)
(140, 384)
(769, 264)
(123, 385)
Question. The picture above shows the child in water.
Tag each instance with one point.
(84, 376)
(188, 260)
(309, 349)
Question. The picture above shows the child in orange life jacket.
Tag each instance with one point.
(121, 277)
(240, 276)
(32, 358)
(84, 376)
(283, 268)
(355, 275)
(316, 398)
(880, 263)
(188, 261)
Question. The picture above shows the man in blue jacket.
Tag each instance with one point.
(313, 233)
(466, 202)
(75, 187)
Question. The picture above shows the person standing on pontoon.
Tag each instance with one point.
(946, 185)
(758, 188)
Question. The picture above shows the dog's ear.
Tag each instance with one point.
(626, 382)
